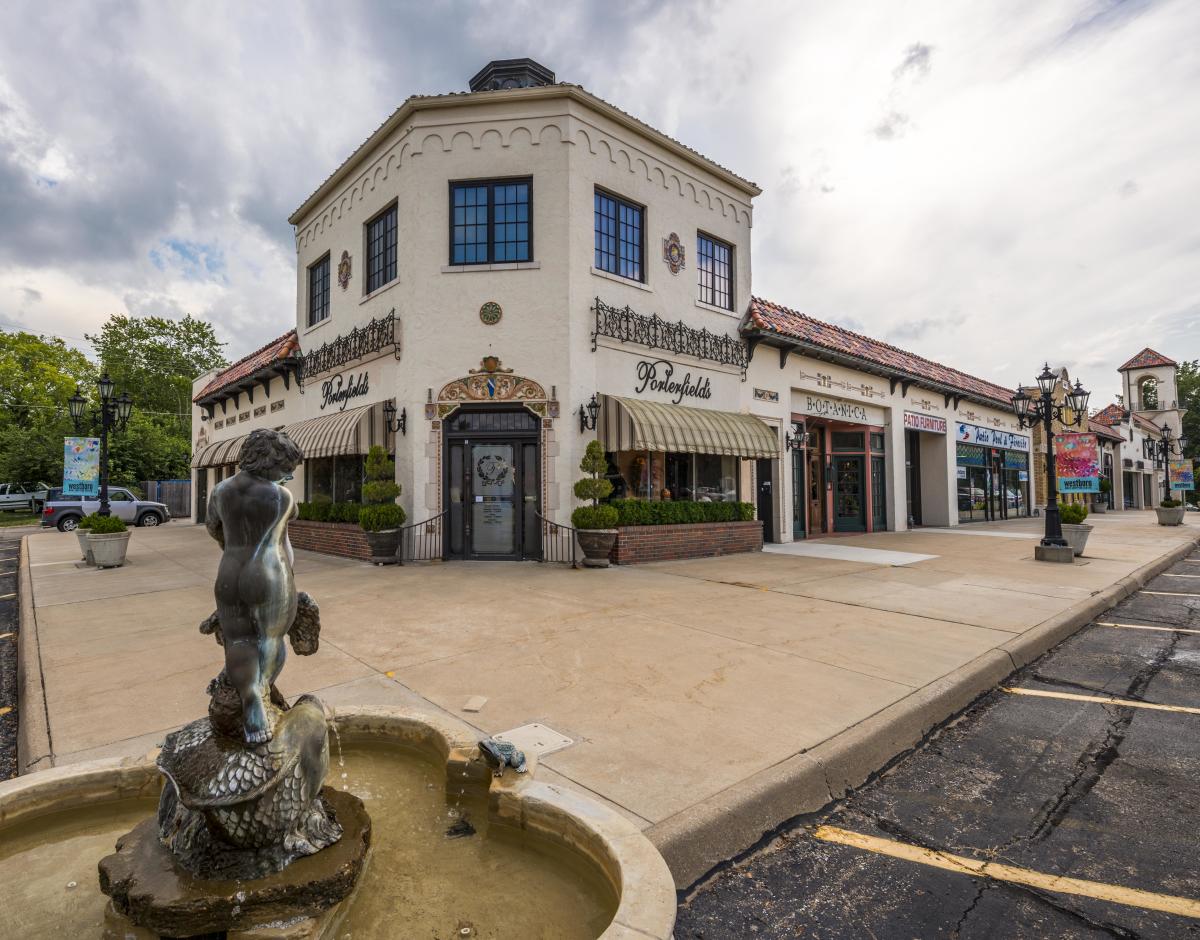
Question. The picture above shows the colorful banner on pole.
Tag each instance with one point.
(1077, 463)
(1181, 474)
(81, 466)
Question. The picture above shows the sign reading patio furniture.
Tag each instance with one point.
(990, 437)
(81, 466)
(1181, 474)
(1077, 463)
(837, 410)
(658, 376)
(915, 421)
(341, 388)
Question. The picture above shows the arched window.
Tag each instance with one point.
(1149, 393)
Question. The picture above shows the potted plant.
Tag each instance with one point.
(108, 540)
(595, 524)
(381, 518)
(1100, 501)
(1073, 528)
(81, 533)
(1170, 512)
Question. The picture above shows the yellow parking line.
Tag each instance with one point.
(1102, 699)
(5, 710)
(1168, 594)
(1142, 626)
(1060, 884)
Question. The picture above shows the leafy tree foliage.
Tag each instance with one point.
(37, 376)
(1188, 378)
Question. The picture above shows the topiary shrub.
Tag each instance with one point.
(381, 486)
(1072, 513)
(104, 525)
(379, 518)
(593, 487)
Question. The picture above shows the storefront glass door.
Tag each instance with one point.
(491, 492)
(849, 502)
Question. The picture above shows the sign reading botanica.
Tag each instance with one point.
(836, 410)
(341, 388)
(659, 376)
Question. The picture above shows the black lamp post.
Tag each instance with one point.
(391, 422)
(1029, 412)
(587, 418)
(112, 415)
(1164, 449)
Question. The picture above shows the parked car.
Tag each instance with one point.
(64, 511)
(24, 497)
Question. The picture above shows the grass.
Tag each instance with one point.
(18, 518)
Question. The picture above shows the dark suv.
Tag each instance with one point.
(64, 511)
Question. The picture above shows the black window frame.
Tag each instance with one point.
(730, 278)
(312, 308)
(491, 183)
(390, 267)
(620, 203)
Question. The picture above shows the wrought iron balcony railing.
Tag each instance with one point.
(656, 333)
(359, 343)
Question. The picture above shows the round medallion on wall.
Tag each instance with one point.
(490, 313)
(673, 253)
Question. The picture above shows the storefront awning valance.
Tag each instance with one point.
(219, 453)
(633, 424)
(332, 435)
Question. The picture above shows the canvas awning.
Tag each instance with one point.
(219, 453)
(634, 424)
(344, 432)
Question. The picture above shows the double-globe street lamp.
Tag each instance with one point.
(1164, 449)
(113, 414)
(1043, 409)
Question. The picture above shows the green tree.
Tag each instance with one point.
(37, 376)
(594, 487)
(1188, 380)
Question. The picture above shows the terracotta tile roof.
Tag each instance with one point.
(1100, 429)
(1146, 424)
(773, 318)
(1110, 415)
(1147, 359)
(282, 347)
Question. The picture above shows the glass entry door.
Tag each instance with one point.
(849, 496)
(492, 499)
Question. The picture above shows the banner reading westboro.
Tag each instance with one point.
(1181, 474)
(1077, 463)
(81, 466)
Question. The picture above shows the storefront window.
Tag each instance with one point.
(335, 478)
(716, 478)
(847, 440)
(972, 483)
(877, 442)
(656, 475)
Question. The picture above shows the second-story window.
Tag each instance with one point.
(491, 222)
(618, 236)
(318, 291)
(714, 262)
(381, 249)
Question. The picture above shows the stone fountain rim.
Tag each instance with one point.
(639, 875)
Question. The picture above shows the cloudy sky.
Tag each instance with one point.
(979, 182)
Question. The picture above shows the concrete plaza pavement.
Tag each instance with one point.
(709, 700)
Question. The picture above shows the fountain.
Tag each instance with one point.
(427, 831)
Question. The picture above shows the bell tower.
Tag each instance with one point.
(1151, 388)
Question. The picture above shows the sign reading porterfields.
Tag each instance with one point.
(990, 437)
(658, 375)
(915, 421)
(1077, 463)
(1181, 474)
(341, 388)
(81, 466)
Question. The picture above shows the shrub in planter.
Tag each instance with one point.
(634, 512)
(381, 518)
(1073, 528)
(1169, 503)
(1072, 513)
(108, 540)
(595, 524)
(1170, 512)
(81, 533)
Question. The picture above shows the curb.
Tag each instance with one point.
(34, 751)
(707, 835)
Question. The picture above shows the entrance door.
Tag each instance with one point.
(799, 495)
(766, 501)
(491, 493)
(816, 493)
(849, 494)
(997, 497)
(912, 466)
(201, 495)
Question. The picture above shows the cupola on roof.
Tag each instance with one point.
(511, 73)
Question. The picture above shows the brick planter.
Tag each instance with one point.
(637, 544)
(330, 538)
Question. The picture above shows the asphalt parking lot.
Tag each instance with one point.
(1063, 804)
(9, 550)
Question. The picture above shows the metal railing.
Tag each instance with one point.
(359, 343)
(558, 542)
(654, 332)
(423, 541)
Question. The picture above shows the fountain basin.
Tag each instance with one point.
(454, 848)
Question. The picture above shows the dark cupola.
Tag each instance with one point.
(511, 73)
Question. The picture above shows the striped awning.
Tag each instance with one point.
(219, 453)
(633, 424)
(332, 435)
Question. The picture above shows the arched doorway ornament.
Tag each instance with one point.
(491, 383)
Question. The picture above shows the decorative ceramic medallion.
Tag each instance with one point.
(490, 313)
(344, 270)
(490, 382)
(673, 253)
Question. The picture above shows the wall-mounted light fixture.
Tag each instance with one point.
(799, 439)
(588, 415)
(391, 422)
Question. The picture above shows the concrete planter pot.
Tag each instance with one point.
(1169, 516)
(385, 546)
(108, 550)
(1076, 536)
(84, 548)
(596, 544)
(1099, 507)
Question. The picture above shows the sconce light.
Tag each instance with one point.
(799, 438)
(391, 422)
(587, 418)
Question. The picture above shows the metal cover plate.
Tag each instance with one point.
(535, 739)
